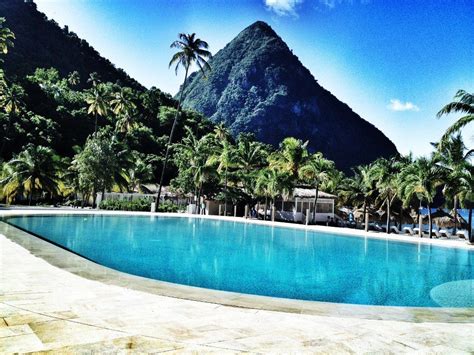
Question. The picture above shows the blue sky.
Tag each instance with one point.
(396, 63)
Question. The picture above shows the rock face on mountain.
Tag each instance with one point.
(41, 43)
(258, 85)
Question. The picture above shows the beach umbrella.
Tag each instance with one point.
(444, 222)
(436, 214)
(359, 213)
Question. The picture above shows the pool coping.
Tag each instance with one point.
(66, 260)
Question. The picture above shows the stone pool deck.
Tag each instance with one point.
(52, 300)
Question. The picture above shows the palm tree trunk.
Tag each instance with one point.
(225, 192)
(199, 199)
(471, 236)
(430, 222)
(400, 218)
(265, 211)
(170, 140)
(366, 217)
(388, 216)
(94, 198)
(455, 214)
(315, 202)
(420, 223)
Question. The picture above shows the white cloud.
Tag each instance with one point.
(283, 7)
(331, 4)
(397, 105)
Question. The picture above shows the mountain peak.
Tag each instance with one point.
(260, 26)
(258, 85)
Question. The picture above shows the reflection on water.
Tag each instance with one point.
(260, 260)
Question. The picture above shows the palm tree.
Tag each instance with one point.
(190, 50)
(420, 179)
(196, 152)
(250, 158)
(11, 98)
(97, 99)
(291, 156)
(140, 173)
(123, 105)
(226, 157)
(463, 103)
(35, 168)
(467, 196)
(316, 171)
(359, 190)
(6, 37)
(271, 183)
(384, 172)
(94, 79)
(73, 78)
(454, 161)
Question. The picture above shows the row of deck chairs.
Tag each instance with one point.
(437, 233)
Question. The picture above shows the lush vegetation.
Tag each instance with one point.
(141, 204)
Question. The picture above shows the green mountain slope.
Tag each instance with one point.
(41, 43)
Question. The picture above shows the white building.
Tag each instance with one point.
(295, 208)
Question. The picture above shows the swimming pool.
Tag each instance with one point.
(264, 260)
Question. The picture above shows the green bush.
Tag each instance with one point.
(141, 204)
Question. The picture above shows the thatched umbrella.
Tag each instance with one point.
(359, 213)
(446, 220)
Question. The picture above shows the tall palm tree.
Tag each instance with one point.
(464, 104)
(359, 190)
(123, 105)
(250, 158)
(454, 162)
(196, 152)
(271, 183)
(384, 172)
(316, 171)
(225, 159)
(420, 179)
(467, 196)
(6, 37)
(97, 99)
(191, 50)
(34, 169)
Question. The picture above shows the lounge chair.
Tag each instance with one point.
(436, 233)
(394, 229)
(408, 230)
(444, 233)
(463, 234)
(417, 231)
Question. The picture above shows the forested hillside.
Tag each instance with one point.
(41, 43)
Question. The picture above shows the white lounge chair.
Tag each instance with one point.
(444, 233)
(463, 234)
(436, 233)
(408, 230)
(417, 231)
(394, 229)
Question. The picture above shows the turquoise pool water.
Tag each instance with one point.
(264, 260)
